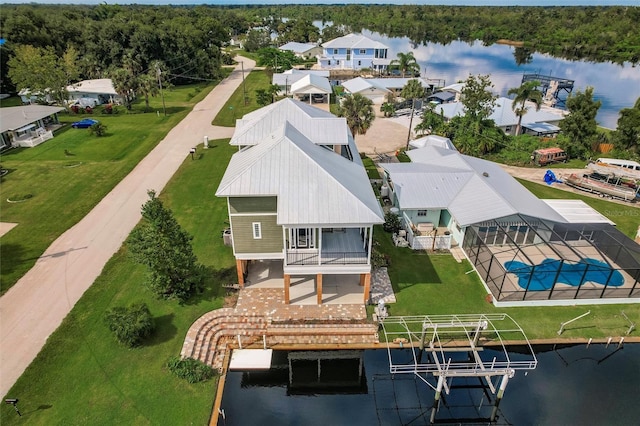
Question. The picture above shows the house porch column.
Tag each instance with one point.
(365, 279)
(287, 284)
(240, 267)
(319, 287)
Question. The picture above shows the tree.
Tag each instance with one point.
(256, 40)
(388, 109)
(276, 59)
(579, 127)
(130, 325)
(528, 91)
(412, 90)
(98, 129)
(627, 135)
(406, 63)
(432, 122)
(477, 99)
(358, 111)
(148, 86)
(162, 245)
(125, 84)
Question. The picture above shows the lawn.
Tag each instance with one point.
(82, 376)
(236, 106)
(68, 175)
(625, 216)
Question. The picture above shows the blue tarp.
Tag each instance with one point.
(550, 177)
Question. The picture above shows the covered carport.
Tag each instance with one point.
(312, 89)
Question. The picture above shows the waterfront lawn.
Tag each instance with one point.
(82, 376)
(625, 216)
(236, 106)
(436, 284)
(68, 175)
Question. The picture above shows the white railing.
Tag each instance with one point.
(35, 141)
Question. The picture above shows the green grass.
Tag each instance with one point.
(82, 376)
(236, 106)
(625, 216)
(370, 167)
(69, 174)
(11, 102)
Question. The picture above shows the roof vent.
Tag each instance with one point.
(485, 174)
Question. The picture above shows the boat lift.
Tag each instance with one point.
(439, 336)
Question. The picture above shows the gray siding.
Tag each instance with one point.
(253, 205)
(243, 241)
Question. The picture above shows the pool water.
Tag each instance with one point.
(546, 273)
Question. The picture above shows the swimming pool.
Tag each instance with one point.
(542, 276)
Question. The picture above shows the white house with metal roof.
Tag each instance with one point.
(526, 250)
(100, 90)
(298, 194)
(312, 89)
(354, 51)
(302, 50)
(543, 122)
(366, 87)
(27, 126)
(286, 79)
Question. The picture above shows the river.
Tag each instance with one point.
(575, 385)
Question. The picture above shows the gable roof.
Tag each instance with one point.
(471, 189)
(354, 41)
(297, 47)
(291, 76)
(311, 83)
(98, 86)
(503, 114)
(321, 127)
(313, 185)
(13, 118)
(359, 85)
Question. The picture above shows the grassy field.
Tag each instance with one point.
(236, 106)
(82, 376)
(69, 174)
(625, 216)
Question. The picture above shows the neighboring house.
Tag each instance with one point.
(376, 88)
(28, 125)
(298, 195)
(367, 88)
(356, 52)
(286, 79)
(432, 140)
(543, 122)
(313, 89)
(526, 250)
(35, 98)
(96, 92)
(302, 50)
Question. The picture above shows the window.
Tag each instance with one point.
(338, 62)
(363, 51)
(257, 230)
(335, 51)
(359, 63)
(302, 238)
(422, 212)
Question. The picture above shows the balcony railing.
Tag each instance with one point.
(311, 257)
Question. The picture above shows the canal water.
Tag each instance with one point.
(574, 385)
(616, 86)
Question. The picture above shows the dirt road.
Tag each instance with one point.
(35, 306)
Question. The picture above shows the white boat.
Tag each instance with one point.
(619, 168)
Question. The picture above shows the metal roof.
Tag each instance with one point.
(321, 127)
(432, 140)
(354, 41)
(291, 76)
(297, 47)
(311, 84)
(503, 114)
(100, 86)
(472, 189)
(577, 211)
(12, 118)
(397, 83)
(359, 84)
(541, 127)
(314, 185)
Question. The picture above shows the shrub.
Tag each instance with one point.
(130, 325)
(391, 222)
(98, 129)
(192, 370)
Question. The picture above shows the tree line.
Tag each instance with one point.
(601, 34)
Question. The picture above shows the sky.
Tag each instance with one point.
(421, 2)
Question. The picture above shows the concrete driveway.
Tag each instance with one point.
(35, 306)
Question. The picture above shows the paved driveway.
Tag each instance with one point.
(35, 306)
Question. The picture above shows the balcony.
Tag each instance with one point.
(338, 247)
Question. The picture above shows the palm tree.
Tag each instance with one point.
(528, 91)
(412, 90)
(358, 111)
(406, 63)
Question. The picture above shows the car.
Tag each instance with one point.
(84, 123)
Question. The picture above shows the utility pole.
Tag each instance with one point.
(244, 86)
(158, 72)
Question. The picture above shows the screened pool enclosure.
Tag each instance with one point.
(521, 258)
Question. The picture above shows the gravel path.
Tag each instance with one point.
(35, 306)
